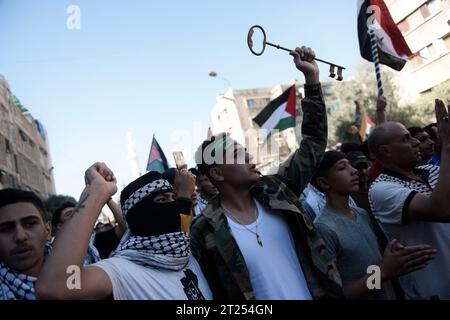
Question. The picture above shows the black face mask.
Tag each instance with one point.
(148, 218)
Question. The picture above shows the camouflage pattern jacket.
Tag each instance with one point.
(215, 247)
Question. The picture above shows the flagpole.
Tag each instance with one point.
(376, 60)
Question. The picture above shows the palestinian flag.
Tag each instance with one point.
(392, 47)
(157, 160)
(280, 113)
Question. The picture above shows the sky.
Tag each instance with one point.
(142, 66)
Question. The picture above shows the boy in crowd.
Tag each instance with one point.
(24, 233)
(349, 235)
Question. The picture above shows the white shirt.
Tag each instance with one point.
(390, 196)
(274, 269)
(131, 281)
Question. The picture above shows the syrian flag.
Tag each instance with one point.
(280, 113)
(157, 160)
(392, 47)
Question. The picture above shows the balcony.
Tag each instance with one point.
(432, 28)
(431, 74)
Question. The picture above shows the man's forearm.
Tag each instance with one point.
(118, 216)
(299, 168)
(381, 117)
(72, 241)
(312, 79)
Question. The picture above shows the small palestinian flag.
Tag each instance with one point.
(392, 48)
(280, 113)
(157, 160)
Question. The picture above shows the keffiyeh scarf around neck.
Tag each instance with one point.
(168, 251)
(92, 255)
(17, 286)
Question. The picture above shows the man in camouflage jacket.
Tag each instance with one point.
(212, 241)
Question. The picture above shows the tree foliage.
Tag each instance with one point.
(364, 89)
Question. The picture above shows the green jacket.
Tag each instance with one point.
(215, 247)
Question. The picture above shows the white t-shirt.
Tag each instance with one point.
(131, 281)
(274, 269)
(390, 196)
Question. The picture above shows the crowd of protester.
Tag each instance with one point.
(222, 230)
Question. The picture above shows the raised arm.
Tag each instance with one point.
(436, 207)
(363, 127)
(299, 168)
(121, 227)
(72, 242)
(381, 110)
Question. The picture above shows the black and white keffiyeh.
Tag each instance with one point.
(145, 191)
(92, 255)
(168, 251)
(16, 286)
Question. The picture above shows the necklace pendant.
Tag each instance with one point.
(259, 240)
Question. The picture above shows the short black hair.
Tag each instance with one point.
(56, 217)
(347, 147)
(328, 161)
(11, 196)
(365, 149)
(429, 129)
(413, 131)
(203, 167)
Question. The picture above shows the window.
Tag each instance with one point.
(416, 61)
(425, 54)
(447, 42)
(44, 153)
(425, 11)
(404, 26)
(440, 47)
(7, 146)
(415, 19)
(434, 6)
(250, 103)
(23, 135)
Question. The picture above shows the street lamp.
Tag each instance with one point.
(214, 74)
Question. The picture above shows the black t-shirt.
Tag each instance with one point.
(106, 242)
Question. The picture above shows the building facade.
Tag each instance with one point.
(425, 25)
(25, 161)
(235, 110)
